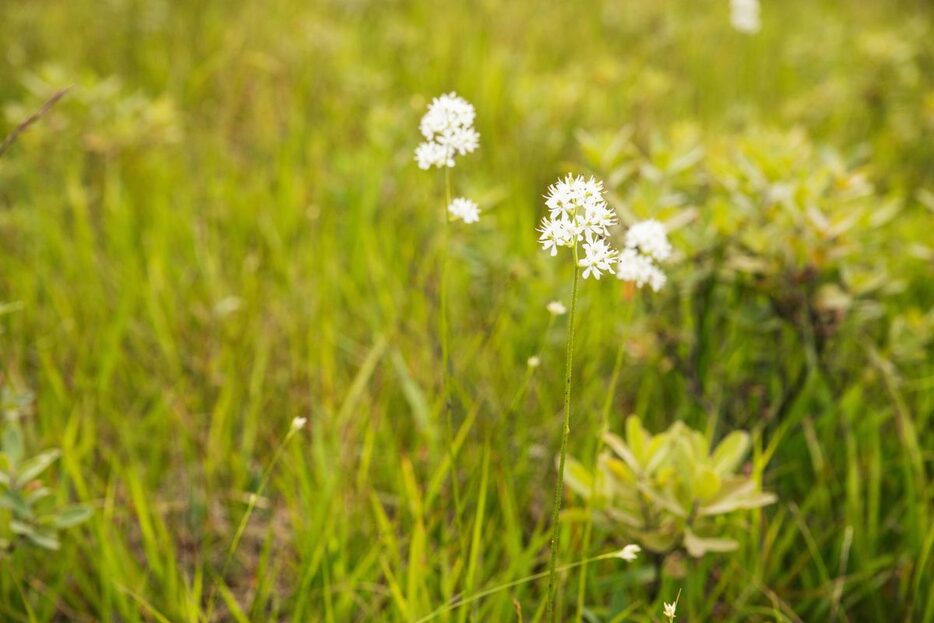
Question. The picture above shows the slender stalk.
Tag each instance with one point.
(445, 353)
(565, 433)
(496, 589)
(604, 428)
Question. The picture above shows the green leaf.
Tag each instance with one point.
(727, 456)
(32, 468)
(71, 516)
(663, 501)
(619, 446)
(44, 540)
(13, 444)
(636, 437)
(706, 484)
(744, 496)
(698, 546)
(13, 501)
(578, 478)
(21, 527)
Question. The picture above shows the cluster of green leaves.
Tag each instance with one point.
(795, 232)
(102, 115)
(27, 511)
(670, 491)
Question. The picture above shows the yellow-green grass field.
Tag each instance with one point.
(220, 227)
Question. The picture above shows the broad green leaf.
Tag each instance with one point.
(655, 540)
(71, 516)
(13, 501)
(636, 438)
(618, 471)
(44, 540)
(578, 478)
(622, 450)
(698, 546)
(727, 456)
(656, 452)
(706, 484)
(36, 465)
(663, 500)
(745, 496)
(625, 517)
(13, 445)
(21, 527)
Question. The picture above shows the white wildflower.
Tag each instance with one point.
(670, 608)
(577, 212)
(433, 155)
(649, 238)
(557, 232)
(598, 257)
(639, 269)
(448, 130)
(629, 553)
(299, 423)
(464, 209)
(534, 361)
(744, 16)
(556, 308)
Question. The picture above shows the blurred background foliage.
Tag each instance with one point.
(220, 227)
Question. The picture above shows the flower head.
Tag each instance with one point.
(556, 308)
(299, 423)
(534, 361)
(463, 209)
(629, 553)
(577, 212)
(556, 232)
(448, 131)
(598, 257)
(639, 269)
(433, 155)
(646, 243)
(670, 608)
(649, 238)
(744, 16)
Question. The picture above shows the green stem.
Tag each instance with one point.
(445, 354)
(565, 433)
(496, 589)
(604, 428)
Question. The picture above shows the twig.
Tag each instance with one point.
(32, 119)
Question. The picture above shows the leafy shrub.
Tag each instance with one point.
(786, 247)
(26, 513)
(671, 490)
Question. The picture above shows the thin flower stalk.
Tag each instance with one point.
(447, 128)
(565, 434)
(580, 219)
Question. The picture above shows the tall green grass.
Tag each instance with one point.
(220, 228)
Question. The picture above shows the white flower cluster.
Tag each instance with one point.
(448, 131)
(744, 16)
(578, 213)
(463, 209)
(646, 243)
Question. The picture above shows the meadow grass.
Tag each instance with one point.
(221, 228)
